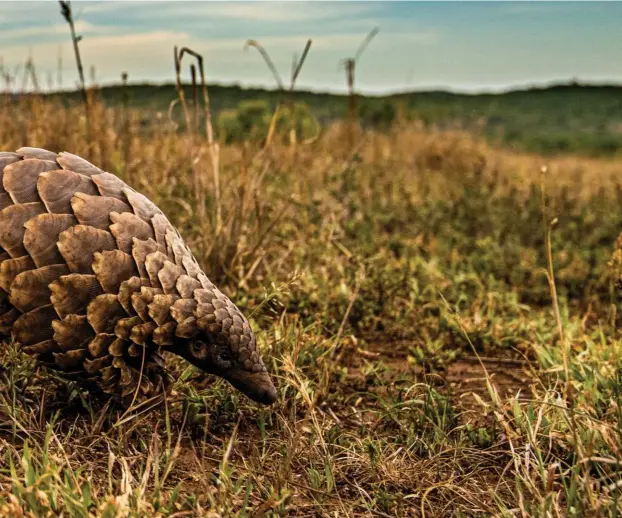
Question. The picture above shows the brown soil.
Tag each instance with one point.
(460, 379)
(468, 376)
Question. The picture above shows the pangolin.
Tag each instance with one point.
(96, 282)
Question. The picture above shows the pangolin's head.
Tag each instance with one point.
(224, 344)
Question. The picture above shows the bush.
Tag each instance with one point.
(251, 122)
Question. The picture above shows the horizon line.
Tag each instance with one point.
(518, 87)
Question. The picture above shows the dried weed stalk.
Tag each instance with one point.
(349, 64)
(296, 68)
(212, 146)
(67, 13)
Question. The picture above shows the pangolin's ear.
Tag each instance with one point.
(199, 350)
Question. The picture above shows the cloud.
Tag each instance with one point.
(145, 55)
(43, 31)
(105, 44)
(141, 55)
(341, 43)
(267, 12)
(533, 7)
(14, 12)
(279, 12)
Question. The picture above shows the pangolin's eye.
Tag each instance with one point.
(224, 358)
(199, 349)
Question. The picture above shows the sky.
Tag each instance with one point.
(457, 46)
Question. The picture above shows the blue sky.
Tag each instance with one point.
(461, 46)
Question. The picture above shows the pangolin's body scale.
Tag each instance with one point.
(95, 281)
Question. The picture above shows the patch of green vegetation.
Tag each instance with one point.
(570, 118)
(252, 121)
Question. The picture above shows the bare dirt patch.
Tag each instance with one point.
(463, 380)
(466, 380)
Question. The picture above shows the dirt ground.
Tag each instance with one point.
(464, 380)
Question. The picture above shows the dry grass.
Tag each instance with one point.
(367, 271)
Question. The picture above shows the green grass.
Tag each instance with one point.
(373, 274)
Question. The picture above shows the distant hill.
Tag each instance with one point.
(563, 118)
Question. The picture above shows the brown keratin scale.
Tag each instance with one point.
(96, 282)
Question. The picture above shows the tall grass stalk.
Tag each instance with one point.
(67, 13)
